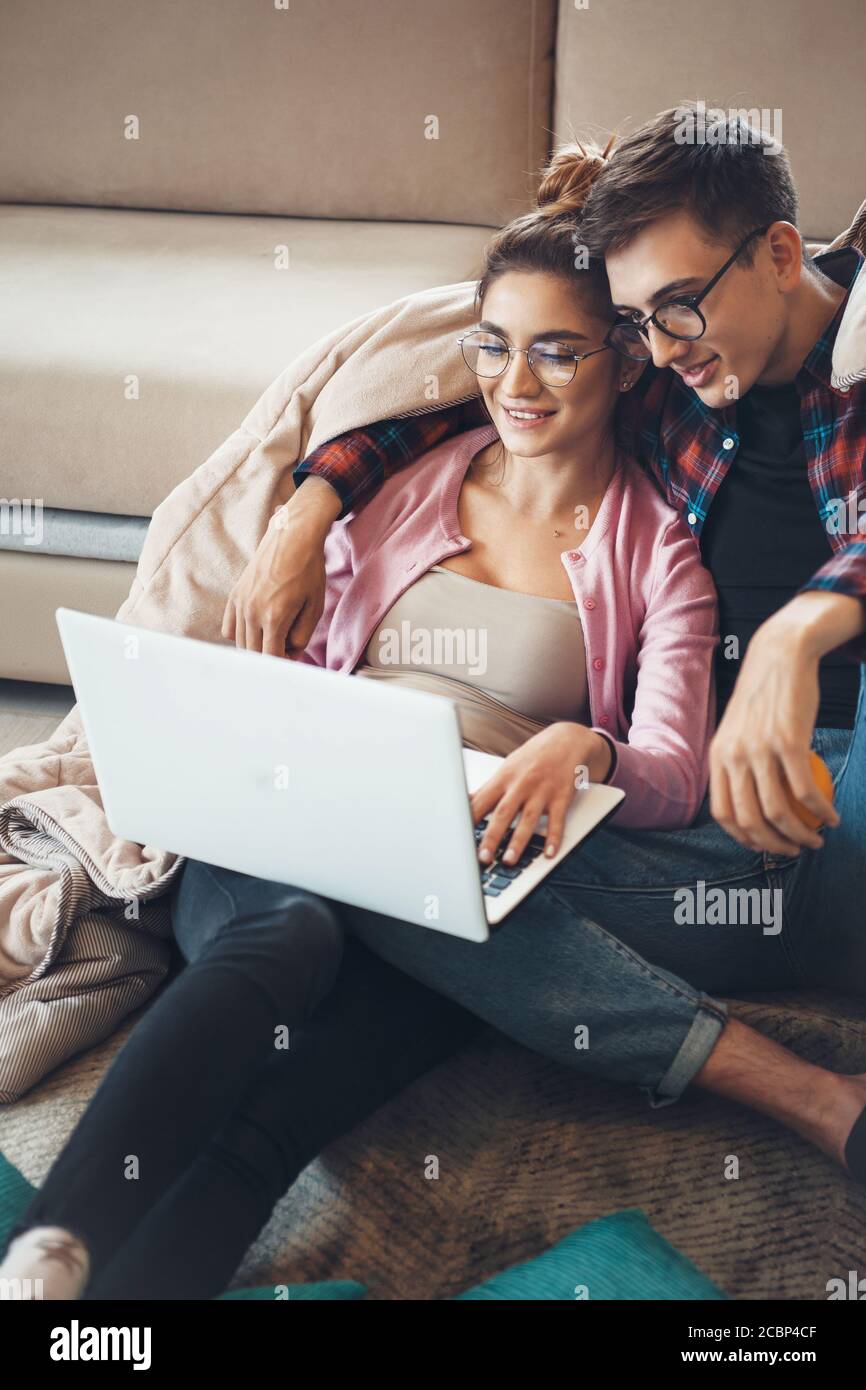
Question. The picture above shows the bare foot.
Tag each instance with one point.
(823, 1106)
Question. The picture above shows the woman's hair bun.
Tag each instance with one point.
(543, 239)
(569, 176)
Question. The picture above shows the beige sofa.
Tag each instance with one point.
(194, 192)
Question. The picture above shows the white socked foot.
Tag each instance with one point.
(46, 1262)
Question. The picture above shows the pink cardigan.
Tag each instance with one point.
(647, 606)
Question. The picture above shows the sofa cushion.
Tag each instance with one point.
(619, 62)
(140, 340)
(396, 109)
(34, 585)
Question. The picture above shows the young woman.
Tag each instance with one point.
(593, 628)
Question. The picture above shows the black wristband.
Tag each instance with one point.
(613, 757)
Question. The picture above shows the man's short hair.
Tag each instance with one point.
(723, 169)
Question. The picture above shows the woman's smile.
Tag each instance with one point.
(525, 417)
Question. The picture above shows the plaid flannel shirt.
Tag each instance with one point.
(687, 446)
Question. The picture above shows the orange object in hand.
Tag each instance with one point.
(823, 781)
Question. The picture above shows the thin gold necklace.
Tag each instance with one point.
(557, 534)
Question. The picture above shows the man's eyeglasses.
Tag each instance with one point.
(679, 318)
(487, 354)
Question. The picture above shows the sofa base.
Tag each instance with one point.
(33, 587)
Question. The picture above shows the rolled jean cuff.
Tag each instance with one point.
(696, 1047)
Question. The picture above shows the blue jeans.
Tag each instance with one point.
(596, 971)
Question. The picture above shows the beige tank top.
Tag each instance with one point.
(513, 663)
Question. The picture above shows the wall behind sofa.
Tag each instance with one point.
(310, 110)
(620, 61)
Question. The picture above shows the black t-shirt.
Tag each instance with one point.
(763, 538)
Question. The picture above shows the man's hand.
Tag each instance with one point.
(538, 778)
(763, 741)
(279, 598)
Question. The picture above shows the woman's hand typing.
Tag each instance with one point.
(536, 779)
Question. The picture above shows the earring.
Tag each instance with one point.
(624, 385)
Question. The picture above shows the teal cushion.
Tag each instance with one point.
(15, 1196)
(616, 1257)
(339, 1289)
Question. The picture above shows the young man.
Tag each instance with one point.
(737, 418)
(791, 586)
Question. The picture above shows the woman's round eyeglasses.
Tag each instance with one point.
(487, 354)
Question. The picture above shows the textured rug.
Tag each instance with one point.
(526, 1155)
(615, 1257)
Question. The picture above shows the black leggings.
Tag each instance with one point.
(205, 1118)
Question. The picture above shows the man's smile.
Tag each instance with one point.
(699, 373)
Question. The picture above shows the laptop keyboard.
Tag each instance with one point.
(497, 876)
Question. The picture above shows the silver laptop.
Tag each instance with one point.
(355, 790)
